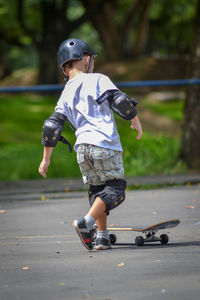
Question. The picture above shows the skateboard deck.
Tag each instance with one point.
(149, 231)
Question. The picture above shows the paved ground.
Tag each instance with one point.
(41, 256)
(15, 189)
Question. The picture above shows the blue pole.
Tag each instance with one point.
(149, 83)
(125, 84)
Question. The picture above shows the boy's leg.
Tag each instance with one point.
(111, 196)
(101, 222)
(97, 211)
(84, 226)
(104, 194)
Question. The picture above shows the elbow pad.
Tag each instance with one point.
(52, 130)
(120, 103)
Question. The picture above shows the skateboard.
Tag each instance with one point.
(149, 231)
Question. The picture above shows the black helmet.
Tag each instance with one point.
(73, 49)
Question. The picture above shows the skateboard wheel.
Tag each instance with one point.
(164, 239)
(139, 241)
(113, 238)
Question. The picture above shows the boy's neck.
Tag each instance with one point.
(74, 72)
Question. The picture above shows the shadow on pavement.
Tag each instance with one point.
(155, 246)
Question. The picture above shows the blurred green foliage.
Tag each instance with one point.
(170, 28)
(172, 109)
(21, 151)
(171, 32)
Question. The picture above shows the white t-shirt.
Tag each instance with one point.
(94, 123)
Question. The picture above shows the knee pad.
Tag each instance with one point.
(112, 193)
(93, 192)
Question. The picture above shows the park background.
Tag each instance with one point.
(135, 40)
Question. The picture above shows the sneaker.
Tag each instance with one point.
(83, 232)
(102, 244)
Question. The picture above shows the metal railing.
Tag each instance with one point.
(122, 84)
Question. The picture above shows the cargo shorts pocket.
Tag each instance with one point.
(83, 163)
(103, 158)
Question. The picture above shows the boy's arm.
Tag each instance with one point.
(43, 168)
(120, 103)
(52, 131)
(135, 124)
(123, 106)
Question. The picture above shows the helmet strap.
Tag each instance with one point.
(66, 78)
(90, 63)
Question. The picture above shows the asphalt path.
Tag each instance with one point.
(41, 256)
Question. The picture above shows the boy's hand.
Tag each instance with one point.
(43, 168)
(135, 124)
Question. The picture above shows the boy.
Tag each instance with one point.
(87, 101)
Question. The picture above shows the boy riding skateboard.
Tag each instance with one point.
(87, 102)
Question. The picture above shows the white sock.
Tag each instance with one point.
(90, 221)
(103, 234)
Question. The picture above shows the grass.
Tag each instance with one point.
(153, 154)
(172, 109)
(22, 118)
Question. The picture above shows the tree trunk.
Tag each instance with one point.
(117, 37)
(143, 28)
(53, 16)
(190, 151)
(102, 15)
(48, 68)
(54, 28)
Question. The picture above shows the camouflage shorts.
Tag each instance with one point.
(98, 164)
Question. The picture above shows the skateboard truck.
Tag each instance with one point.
(151, 237)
